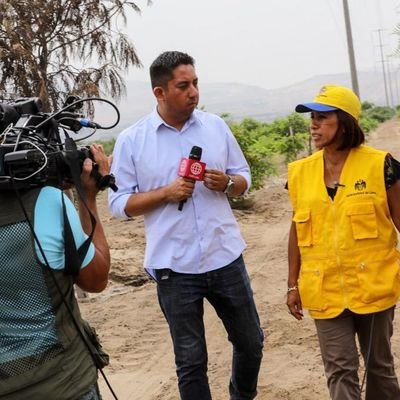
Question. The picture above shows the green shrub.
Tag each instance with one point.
(380, 113)
(263, 143)
(368, 124)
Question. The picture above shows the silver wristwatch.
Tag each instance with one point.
(229, 186)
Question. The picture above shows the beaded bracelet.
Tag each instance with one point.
(292, 289)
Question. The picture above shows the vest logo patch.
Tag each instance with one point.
(360, 185)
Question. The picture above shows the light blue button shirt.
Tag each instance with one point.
(205, 235)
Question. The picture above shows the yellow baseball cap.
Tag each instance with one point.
(331, 98)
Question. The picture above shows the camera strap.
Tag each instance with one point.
(74, 256)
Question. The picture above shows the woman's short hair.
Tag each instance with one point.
(352, 133)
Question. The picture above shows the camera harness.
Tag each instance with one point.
(73, 255)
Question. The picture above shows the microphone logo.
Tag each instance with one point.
(196, 169)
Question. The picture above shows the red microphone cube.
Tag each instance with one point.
(192, 169)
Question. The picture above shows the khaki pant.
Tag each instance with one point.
(337, 339)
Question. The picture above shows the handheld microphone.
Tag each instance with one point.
(192, 168)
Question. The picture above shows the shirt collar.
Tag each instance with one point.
(157, 121)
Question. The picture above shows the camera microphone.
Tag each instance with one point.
(192, 168)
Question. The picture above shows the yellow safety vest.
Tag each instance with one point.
(347, 245)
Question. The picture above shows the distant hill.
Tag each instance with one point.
(240, 100)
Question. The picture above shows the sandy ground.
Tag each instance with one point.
(132, 328)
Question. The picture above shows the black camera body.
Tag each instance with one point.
(35, 147)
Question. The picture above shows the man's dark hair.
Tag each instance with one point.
(162, 68)
(353, 135)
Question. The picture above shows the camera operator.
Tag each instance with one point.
(42, 355)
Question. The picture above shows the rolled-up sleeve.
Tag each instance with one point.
(237, 164)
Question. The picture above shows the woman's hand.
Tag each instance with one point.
(293, 302)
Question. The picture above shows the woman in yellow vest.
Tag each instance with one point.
(343, 261)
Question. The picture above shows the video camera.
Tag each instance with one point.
(36, 148)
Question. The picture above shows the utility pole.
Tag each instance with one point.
(383, 66)
(389, 75)
(397, 86)
(353, 70)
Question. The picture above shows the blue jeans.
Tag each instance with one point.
(181, 298)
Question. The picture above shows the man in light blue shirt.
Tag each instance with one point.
(196, 252)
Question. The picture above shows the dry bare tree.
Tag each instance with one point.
(51, 48)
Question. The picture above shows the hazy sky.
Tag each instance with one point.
(268, 43)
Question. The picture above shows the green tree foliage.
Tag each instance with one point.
(366, 105)
(372, 116)
(368, 124)
(380, 113)
(248, 133)
(41, 40)
(263, 143)
(290, 135)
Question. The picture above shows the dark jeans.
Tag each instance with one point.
(181, 298)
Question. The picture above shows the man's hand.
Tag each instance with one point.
(180, 189)
(215, 180)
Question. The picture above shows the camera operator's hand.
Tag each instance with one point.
(101, 162)
(94, 277)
